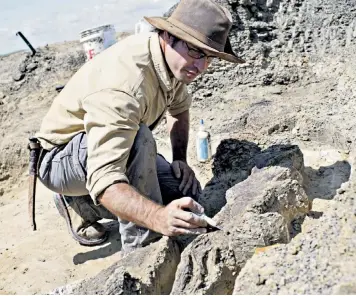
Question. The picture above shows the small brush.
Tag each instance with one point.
(210, 222)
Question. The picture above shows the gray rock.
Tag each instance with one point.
(259, 212)
(321, 260)
(273, 129)
(232, 164)
(32, 66)
(288, 156)
(210, 264)
(18, 76)
(340, 191)
(273, 189)
(149, 270)
(22, 67)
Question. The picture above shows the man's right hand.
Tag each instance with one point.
(173, 220)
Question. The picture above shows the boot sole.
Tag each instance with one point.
(63, 211)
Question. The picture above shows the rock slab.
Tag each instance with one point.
(149, 270)
(259, 212)
(322, 260)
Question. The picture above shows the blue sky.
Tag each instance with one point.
(48, 21)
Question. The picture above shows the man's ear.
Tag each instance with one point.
(168, 38)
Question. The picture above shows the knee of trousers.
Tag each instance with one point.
(144, 139)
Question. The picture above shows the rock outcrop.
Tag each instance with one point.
(281, 40)
(259, 212)
(233, 162)
(320, 261)
(149, 270)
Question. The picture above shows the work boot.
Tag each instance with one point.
(81, 220)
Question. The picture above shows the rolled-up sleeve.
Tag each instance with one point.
(111, 122)
(181, 102)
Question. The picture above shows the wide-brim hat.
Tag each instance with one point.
(202, 23)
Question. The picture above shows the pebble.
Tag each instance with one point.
(272, 129)
(294, 250)
(259, 280)
(340, 191)
(31, 67)
(18, 76)
(22, 67)
(277, 92)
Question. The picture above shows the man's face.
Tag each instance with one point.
(183, 59)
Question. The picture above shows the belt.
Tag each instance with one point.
(35, 150)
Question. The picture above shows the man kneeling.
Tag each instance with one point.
(99, 155)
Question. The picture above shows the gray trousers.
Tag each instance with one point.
(63, 170)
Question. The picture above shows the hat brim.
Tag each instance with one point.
(162, 23)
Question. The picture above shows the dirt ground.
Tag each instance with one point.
(36, 262)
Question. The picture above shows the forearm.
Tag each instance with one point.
(125, 202)
(178, 128)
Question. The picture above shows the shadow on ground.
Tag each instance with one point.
(112, 246)
(324, 182)
(235, 159)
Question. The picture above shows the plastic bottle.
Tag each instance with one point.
(203, 143)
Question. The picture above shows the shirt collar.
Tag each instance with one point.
(159, 63)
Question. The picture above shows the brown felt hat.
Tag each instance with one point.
(202, 23)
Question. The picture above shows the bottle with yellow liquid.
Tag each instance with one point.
(203, 143)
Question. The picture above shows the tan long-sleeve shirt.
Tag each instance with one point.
(108, 98)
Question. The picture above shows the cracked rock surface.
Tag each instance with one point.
(258, 213)
(320, 261)
(148, 270)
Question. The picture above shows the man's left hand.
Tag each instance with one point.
(183, 171)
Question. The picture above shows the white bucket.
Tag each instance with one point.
(97, 39)
(142, 26)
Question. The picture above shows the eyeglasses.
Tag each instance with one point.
(198, 54)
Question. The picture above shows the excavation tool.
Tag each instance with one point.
(27, 42)
(35, 149)
(212, 225)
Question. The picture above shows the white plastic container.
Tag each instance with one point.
(142, 26)
(97, 39)
(203, 143)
